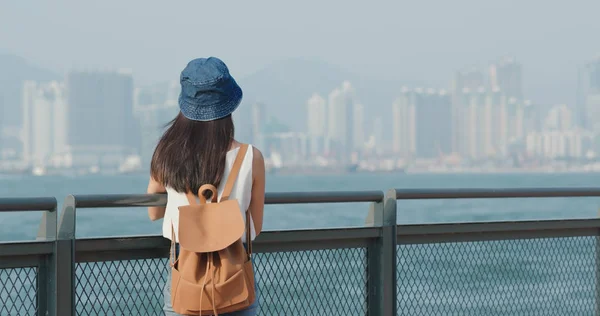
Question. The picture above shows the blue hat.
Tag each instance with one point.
(208, 91)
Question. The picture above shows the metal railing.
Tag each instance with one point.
(548, 267)
(27, 268)
(521, 267)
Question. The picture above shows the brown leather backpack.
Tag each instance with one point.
(213, 273)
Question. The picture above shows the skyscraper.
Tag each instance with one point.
(403, 124)
(44, 122)
(472, 121)
(316, 123)
(359, 127)
(590, 91)
(341, 123)
(433, 128)
(515, 120)
(467, 80)
(421, 123)
(471, 78)
(593, 71)
(378, 134)
(258, 123)
(2, 136)
(334, 120)
(102, 128)
(503, 122)
(506, 74)
(559, 118)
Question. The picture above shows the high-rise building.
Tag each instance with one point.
(580, 104)
(378, 134)
(515, 120)
(2, 134)
(489, 123)
(45, 126)
(316, 123)
(467, 80)
(588, 107)
(348, 110)
(503, 122)
(359, 127)
(476, 129)
(593, 74)
(532, 117)
(593, 111)
(506, 86)
(506, 74)
(559, 118)
(341, 123)
(471, 78)
(421, 123)
(288, 147)
(102, 128)
(403, 124)
(433, 128)
(258, 123)
(334, 120)
(554, 144)
(28, 98)
(488, 116)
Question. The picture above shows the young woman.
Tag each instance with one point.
(199, 148)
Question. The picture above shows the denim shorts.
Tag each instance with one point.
(252, 310)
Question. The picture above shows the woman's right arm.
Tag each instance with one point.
(155, 212)
(257, 199)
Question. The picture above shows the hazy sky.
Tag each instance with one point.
(420, 40)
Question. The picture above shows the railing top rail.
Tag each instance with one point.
(491, 193)
(323, 197)
(495, 226)
(128, 200)
(28, 204)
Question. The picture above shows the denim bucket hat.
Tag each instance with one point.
(208, 91)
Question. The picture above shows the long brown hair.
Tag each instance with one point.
(192, 153)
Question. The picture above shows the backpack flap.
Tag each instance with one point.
(210, 227)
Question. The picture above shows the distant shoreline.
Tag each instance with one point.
(340, 171)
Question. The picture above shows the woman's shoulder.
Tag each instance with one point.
(257, 155)
(258, 161)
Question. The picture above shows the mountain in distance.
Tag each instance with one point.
(13, 71)
(285, 86)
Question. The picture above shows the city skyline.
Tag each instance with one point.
(482, 115)
(425, 44)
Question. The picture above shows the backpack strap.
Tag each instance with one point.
(173, 258)
(235, 170)
(248, 234)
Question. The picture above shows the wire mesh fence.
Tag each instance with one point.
(129, 287)
(317, 282)
(549, 276)
(18, 291)
(546, 276)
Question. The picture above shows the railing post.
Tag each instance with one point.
(65, 260)
(597, 273)
(382, 257)
(46, 278)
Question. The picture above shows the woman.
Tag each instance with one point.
(199, 148)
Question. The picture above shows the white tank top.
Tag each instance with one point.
(242, 191)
